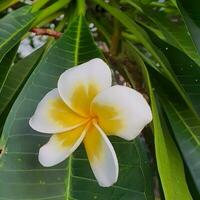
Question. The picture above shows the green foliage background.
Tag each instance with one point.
(154, 46)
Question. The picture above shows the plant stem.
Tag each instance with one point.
(38, 4)
(115, 38)
(129, 76)
(50, 10)
(46, 31)
(81, 7)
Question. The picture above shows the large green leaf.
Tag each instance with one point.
(13, 26)
(72, 179)
(169, 162)
(16, 76)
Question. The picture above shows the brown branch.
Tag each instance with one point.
(45, 31)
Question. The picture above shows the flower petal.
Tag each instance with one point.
(79, 85)
(53, 115)
(60, 146)
(101, 156)
(121, 111)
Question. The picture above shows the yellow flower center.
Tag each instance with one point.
(82, 97)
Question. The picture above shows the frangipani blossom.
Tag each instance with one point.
(86, 108)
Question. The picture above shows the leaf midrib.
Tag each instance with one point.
(6, 76)
(68, 181)
(77, 41)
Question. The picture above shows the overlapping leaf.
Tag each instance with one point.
(72, 179)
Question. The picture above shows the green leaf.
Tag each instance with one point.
(73, 178)
(16, 77)
(169, 162)
(170, 165)
(13, 26)
(186, 70)
(186, 129)
(175, 33)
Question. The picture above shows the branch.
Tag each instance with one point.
(44, 31)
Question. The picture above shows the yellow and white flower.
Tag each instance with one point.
(86, 108)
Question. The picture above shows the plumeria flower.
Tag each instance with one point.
(86, 108)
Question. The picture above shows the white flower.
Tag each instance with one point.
(86, 108)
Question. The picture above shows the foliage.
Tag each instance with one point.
(154, 47)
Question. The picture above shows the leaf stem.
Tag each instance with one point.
(115, 38)
(46, 31)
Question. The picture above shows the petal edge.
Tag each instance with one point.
(102, 157)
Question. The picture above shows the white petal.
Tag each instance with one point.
(79, 85)
(60, 146)
(121, 111)
(102, 157)
(52, 115)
